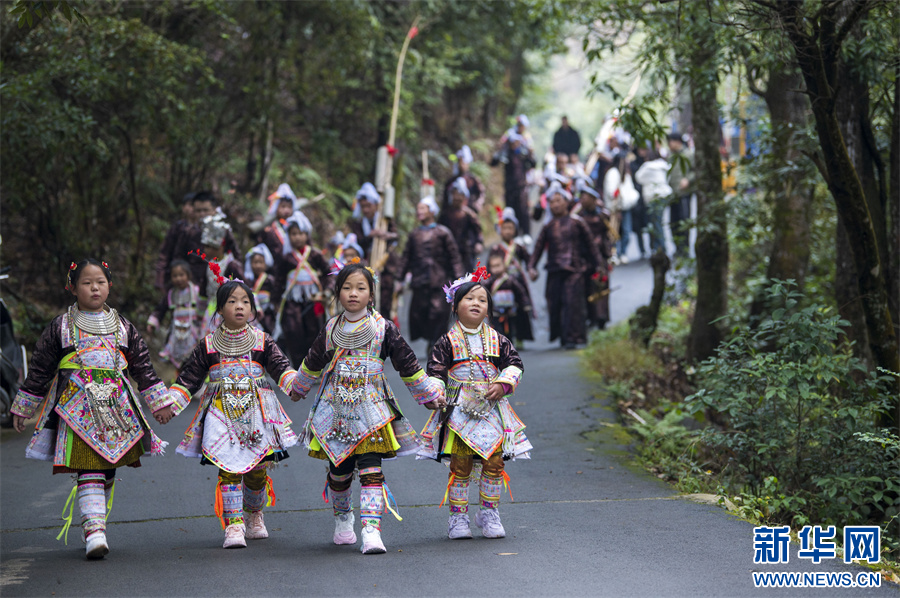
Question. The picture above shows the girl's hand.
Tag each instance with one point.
(495, 392)
(533, 274)
(296, 396)
(164, 415)
(18, 423)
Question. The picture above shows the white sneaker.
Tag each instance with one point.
(256, 526)
(371, 540)
(343, 529)
(459, 526)
(97, 548)
(624, 259)
(234, 536)
(489, 522)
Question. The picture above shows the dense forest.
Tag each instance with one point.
(787, 343)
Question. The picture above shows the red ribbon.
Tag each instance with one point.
(428, 182)
(391, 150)
(414, 31)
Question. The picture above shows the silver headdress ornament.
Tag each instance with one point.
(214, 229)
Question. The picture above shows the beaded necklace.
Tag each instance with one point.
(232, 343)
(480, 406)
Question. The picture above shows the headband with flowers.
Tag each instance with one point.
(478, 275)
(338, 265)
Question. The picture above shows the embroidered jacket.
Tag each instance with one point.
(484, 425)
(61, 369)
(354, 399)
(240, 420)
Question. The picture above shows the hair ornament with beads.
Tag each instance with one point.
(478, 275)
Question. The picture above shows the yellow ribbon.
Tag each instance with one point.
(70, 504)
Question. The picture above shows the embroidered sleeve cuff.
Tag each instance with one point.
(156, 397)
(26, 404)
(511, 376)
(153, 321)
(304, 379)
(286, 381)
(180, 397)
(423, 388)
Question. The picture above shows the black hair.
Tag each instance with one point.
(227, 290)
(77, 268)
(465, 289)
(675, 137)
(286, 198)
(345, 273)
(204, 196)
(184, 266)
(188, 197)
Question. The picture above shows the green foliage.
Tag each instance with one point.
(793, 399)
(613, 356)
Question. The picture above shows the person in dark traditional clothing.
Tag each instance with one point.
(517, 157)
(214, 235)
(275, 235)
(304, 279)
(566, 140)
(596, 284)
(463, 223)
(167, 251)
(204, 204)
(570, 253)
(510, 298)
(364, 225)
(258, 276)
(515, 261)
(430, 257)
(462, 168)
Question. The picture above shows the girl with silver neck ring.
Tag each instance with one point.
(240, 425)
(355, 422)
(92, 422)
(480, 368)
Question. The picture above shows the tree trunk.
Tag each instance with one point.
(817, 54)
(791, 202)
(894, 207)
(643, 322)
(712, 238)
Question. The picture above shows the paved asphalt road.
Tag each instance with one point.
(584, 523)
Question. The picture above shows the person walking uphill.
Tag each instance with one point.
(92, 422)
(570, 253)
(566, 140)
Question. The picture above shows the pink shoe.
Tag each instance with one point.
(343, 529)
(256, 527)
(371, 540)
(234, 536)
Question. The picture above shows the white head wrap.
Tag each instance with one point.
(556, 188)
(299, 220)
(522, 120)
(351, 241)
(464, 154)
(459, 184)
(367, 192)
(432, 205)
(284, 192)
(262, 250)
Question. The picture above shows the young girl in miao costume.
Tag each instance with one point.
(240, 426)
(480, 368)
(182, 300)
(355, 421)
(92, 422)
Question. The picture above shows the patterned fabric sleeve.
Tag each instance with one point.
(278, 366)
(152, 389)
(312, 366)
(511, 366)
(441, 359)
(44, 366)
(193, 374)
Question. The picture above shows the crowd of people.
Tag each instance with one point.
(290, 313)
